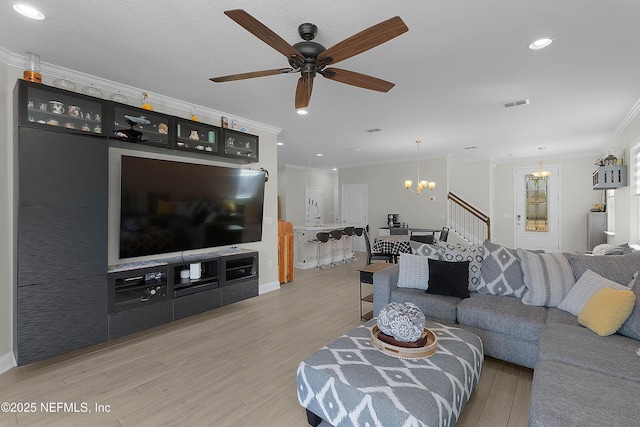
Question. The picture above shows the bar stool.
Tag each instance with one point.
(336, 235)
(357, 231)
(321, 238)
(347, 233)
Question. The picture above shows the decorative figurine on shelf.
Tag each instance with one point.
(193, 115)
(194, 135)
(230, 142)
(610, 160)
(146, 105)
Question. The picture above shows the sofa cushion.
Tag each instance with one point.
(619, 268)
(448, 278)
(614, 355)
(588, 284)
(506, 316)
(548, 278)
(414, 271)
(458, 252)
(555, 315)
(437, 307)
(631, 327)
(500, 271)
(425, 249)
(607, 310)
(571, 396)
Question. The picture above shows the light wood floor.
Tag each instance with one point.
(235, 366)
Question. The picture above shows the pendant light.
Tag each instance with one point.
(542, 172)
(421, 185)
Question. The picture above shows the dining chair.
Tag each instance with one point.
(371, 256)
(422, 238)
(444, 234)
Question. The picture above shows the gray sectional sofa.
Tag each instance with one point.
(580, 377)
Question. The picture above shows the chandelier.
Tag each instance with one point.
(421, 185)
(541, 173)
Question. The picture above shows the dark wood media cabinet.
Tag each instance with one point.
(65, 297)
(141, 297)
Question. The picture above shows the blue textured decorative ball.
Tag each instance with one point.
(404, 322)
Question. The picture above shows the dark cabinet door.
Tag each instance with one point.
(55, 243)
(58, 169)
(57, 317)
(62, 239)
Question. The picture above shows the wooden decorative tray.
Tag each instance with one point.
(422, 352)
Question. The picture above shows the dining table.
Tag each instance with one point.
(394, 244)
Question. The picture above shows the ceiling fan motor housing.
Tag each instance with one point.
(307, 31)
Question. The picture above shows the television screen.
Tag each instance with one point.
(168, 206)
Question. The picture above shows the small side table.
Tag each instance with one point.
(366, 278)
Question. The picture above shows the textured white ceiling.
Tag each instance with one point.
(458, 63)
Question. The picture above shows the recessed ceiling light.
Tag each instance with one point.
(319, 155)
(28, 11)
(540, 44)
(280, 143)
(302, 111)
(335, 169)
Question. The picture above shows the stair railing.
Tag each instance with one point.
(466, 221)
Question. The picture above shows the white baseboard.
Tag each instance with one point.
(7, 362)
(268, 287)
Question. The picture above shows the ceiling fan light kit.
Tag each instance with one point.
(310, 58)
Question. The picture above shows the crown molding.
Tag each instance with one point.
(109, 87)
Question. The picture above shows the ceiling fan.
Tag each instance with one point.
(310, 58)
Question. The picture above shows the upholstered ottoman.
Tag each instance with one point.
(351, 383)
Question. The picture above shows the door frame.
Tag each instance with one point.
(555, 225)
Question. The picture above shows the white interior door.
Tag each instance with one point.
(354, 210)
(537, 210)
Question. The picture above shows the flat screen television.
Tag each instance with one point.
(169, 206)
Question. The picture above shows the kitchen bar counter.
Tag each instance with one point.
(306, 253)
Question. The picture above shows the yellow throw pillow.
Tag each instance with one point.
(607, 310)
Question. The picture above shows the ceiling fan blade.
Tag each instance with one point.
(265, 34)
(303, 91)
(251, 75)
(363, 41)
(357, 79)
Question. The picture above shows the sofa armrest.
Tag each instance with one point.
(384, 281)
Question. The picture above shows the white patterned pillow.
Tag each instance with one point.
(548, 278)
(457, 252)
(587, 285)
(425, 249)
(500, 272)
(414, 271)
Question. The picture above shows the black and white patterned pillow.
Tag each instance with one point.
(426, 249)
(500, 272)
(457, 252)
